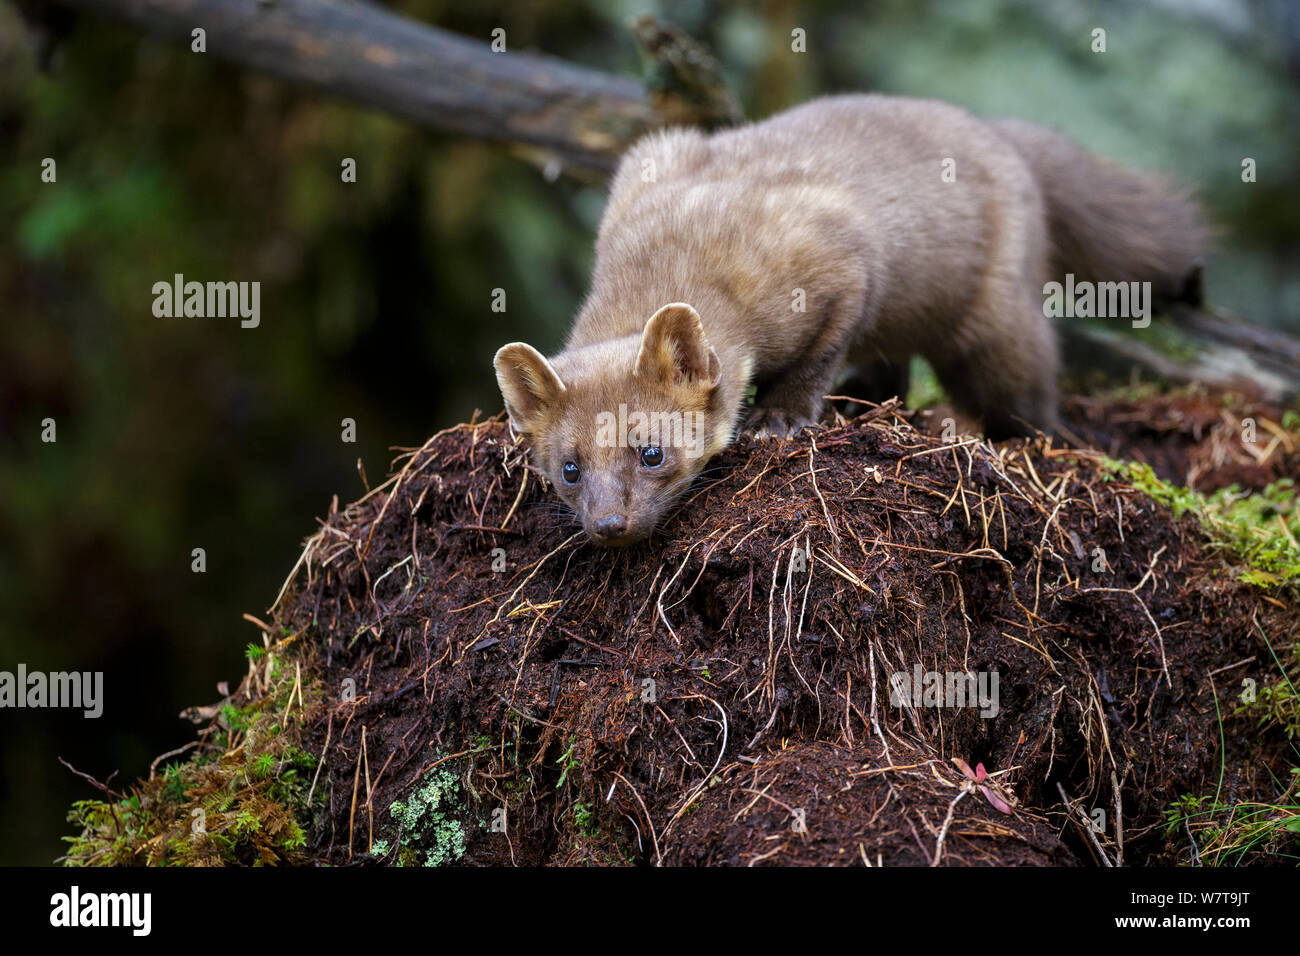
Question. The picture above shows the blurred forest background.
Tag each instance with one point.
(376, 296)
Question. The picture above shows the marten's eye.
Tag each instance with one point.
(571, 473)
(652, 456)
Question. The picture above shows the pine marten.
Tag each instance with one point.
(852, 229)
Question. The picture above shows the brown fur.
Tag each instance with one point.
(843, 199)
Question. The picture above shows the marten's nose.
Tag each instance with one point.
(611, 526)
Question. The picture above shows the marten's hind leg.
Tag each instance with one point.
(1000, 359)
(1002, 365)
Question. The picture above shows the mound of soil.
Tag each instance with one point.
(779, 676)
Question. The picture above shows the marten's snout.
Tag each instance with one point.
(610, 528)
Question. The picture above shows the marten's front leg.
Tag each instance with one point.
(793, 399)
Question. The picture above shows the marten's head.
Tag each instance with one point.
(622, 427)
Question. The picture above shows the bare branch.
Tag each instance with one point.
(435, 79)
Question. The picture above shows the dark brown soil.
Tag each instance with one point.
(1192, 440)
(768, 734)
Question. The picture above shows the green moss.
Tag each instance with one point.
(584, 818)
(428, 824)
(242, 799)
(1259, 528)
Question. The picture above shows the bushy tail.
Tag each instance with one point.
(1109, 223)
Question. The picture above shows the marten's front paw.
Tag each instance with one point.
(774, 423)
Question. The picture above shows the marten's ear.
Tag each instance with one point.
(529, 384)
(673, 348)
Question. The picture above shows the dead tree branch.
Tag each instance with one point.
(435, 79)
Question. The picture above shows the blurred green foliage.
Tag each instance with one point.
(182, 433)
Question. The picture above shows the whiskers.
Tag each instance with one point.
(715, 471)
(666, 503)
(556, 515)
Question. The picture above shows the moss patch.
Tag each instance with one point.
(241, 799)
